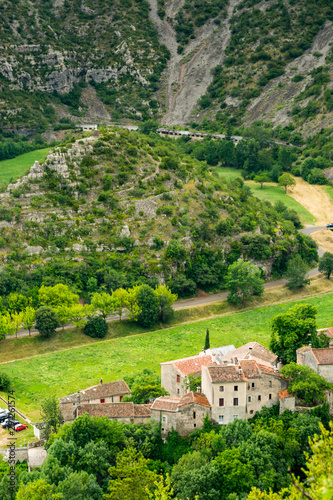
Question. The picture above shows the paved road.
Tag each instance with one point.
(209, 299)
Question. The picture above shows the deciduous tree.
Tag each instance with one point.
(51, 415)
(305, 383)
(29, 316)
(285, 181)
(243, 280)
(148, 304)
(326, 264)
(47, 321)
(296, 273)
(103, 303)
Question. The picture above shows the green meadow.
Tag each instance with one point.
(67, 371)
(270, 193)
(10, 169)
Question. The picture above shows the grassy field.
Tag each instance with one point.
(81, 367)
(329, 191)
(270, 193)
(9, 169)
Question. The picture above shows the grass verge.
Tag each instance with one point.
(9, 169)
(126, 351)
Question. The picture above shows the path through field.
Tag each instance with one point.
(314, 199)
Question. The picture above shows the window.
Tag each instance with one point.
(251, 412)
(235, 387)
(120, 398)
(194, 425)
(162, 428)
(177, 391)
(249, 399)
(235, 416)
(270, 383)
(221, 402)
(194, 414)
(178, 379)
(252, 385)
(163, 419)
(221, 419)
(111, 399)
(235, 401)
(259, 397)
(221, 388)
(270, 396)
(102, 400)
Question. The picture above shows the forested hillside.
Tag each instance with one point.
(126, 208)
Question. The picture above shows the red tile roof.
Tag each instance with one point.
(268, 370)
(194, 398)
(323, 356)
(114, 410)
(330, 332)
(165, 403)
(250, 368)
(191, 365)
(284, 394)
(117, 388)
(227, 373)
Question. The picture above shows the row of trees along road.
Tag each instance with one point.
(59, 306)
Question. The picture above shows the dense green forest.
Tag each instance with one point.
(96, 456)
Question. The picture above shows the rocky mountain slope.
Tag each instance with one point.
(225, 62)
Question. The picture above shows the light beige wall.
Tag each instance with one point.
(168, 424)
(186, 422)
(287, 404)
(263, 387)
(206, 384)
(67, 411)
(229, 411)
(169, 381)
(326, 371)
(110, 399)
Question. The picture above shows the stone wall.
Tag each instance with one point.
(169, 381)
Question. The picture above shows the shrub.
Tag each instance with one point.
(5, 382)
(96, 328)
(47, 321)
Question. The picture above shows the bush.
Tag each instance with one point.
(148, 303)
(5, 382)
(96, 328)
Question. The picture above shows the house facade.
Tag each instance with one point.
(183, 414)
(320, 360)
(124, 412)
(111, 392)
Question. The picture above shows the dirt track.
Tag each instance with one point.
(314, 199)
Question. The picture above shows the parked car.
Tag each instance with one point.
(4, 416)
(9, 422)
(329, 226)
(20, 427)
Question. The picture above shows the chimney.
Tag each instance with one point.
(310, 345)
(198, 389)
(240, 371)
(236, 361)
(101, 382)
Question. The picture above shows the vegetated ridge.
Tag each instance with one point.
(125, 208)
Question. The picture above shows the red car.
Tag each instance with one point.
(20, 427)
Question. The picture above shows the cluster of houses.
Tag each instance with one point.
(235, 384)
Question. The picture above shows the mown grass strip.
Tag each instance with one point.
(10, 169)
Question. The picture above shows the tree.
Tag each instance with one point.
(47, 321)
(261, 178)
(292, 330)
(243, 280)
(104, 303)
(130, 477)
(64, 314)
(326, 264)
(29, 316)
(132, 302)
(305, 383)
(51, 415)
(165, 300)
(56, 296)
(78, 314)
(148, 304)
(6, 326)
(17, 319)
(37, 490)
(120, 299)
(145, 386)
(286, 180)
(207, 343)
(16, 302)
(80, 486)
(296, 272)
(96, 328)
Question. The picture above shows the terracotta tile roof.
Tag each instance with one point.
(253, 350)
(250, 368)
(191, 365)
(106, 390)
(142, 411)
(117, 388)
(330, 332)
(268, 370)
(227, 373)
(165, 403)
(111, 410)
(114, 410)
(323, 356)
(194, 398)
(284, 394)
